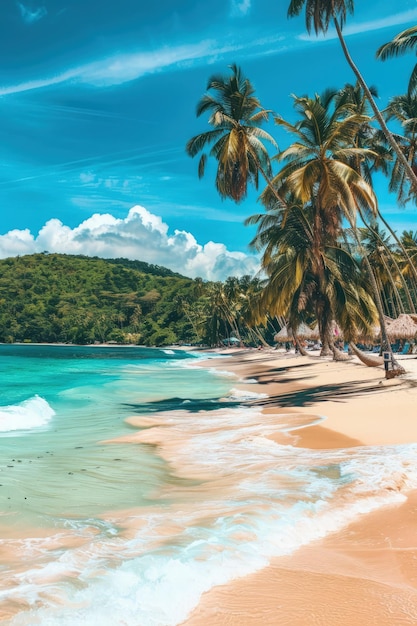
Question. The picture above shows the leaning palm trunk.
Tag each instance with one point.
(378, 115)
(370, 360)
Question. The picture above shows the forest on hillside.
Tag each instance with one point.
(76, 299)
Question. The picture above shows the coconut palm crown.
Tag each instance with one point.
(318, 162)
(319, 13)
(236, 139)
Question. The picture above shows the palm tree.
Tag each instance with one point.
(318, 170)
(297, 288)
(367, 136)
(402, 43)
(236, 139)
(319, 15)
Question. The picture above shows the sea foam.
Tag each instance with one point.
(31, 413)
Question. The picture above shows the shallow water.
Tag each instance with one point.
(112, 519)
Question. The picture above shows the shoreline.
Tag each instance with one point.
(342, 393)
(365, 573)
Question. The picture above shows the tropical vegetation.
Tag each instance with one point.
(326, 257)
(85, 300)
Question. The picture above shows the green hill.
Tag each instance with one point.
(77, 299)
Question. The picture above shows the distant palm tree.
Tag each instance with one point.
(402, 43)
(319, 15)
(236, 139)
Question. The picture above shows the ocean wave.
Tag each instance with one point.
(31, 413)
(242, 395)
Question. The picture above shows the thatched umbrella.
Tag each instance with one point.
(304, 332)
(286, 334)
(403, 327)
(283, 335)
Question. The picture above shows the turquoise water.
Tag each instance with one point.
(133, 480)
(59, 402)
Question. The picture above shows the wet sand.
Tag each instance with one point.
(365, 575)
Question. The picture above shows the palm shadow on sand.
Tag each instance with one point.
(321, 393)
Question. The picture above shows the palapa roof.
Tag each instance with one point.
(286, 334)
(283, 335)
(403, 327)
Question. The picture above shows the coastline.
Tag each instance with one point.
(366, 573)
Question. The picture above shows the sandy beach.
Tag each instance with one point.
(361, 576)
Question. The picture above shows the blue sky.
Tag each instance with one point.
(97, 102)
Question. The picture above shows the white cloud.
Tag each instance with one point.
(30, 16)
(121, 68)
(17, 242)
(141, 235)
(125, 67)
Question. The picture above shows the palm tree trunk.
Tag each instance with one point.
(370, 360)
(401, 157)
